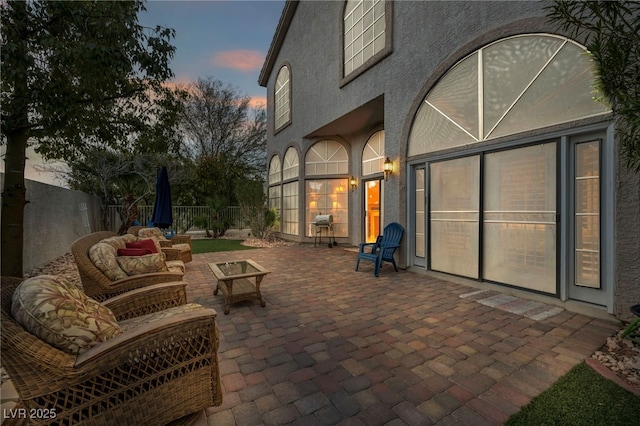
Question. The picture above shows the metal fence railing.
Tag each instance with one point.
(184, 217)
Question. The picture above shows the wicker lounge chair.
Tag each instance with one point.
(162, 369)
(99, 286)
(179, 243)
(383, 249)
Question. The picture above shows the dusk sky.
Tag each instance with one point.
(226, 40)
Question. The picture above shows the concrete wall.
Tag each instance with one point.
(53, 220)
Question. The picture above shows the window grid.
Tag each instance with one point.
(373, 154)
(274, 197)
(587, 215)
(282, 107)
(327, 158)
(289, 217)
(274, 170)
(328, 196)
(516, 84)
(364, 32)
(291, 166)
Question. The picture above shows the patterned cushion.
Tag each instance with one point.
(119, 241)
(151, 233)
(132, 323)
(61, 315)
(135, 265)
(103, 256)
(182, 247)
(176, 266)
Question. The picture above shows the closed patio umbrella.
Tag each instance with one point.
(162, 216)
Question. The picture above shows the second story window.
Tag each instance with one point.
(282, 98)
(364, 32)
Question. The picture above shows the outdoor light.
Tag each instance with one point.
(388, 168)
(353, 182)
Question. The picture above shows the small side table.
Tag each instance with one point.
(239, 281)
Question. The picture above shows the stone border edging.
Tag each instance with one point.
(605, 372)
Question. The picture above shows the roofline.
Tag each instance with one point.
(283, 26)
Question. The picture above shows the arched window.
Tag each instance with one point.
(327, 195)
(373, 154)
(291, 167)
(493, 211)
(282, 98)
(290, 192)
(326, 158)
(274, 170)
(364, 32)
(516, 84)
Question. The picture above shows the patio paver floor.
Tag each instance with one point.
(336, 346)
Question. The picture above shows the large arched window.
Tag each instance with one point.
(364, 32)
(290, 197)
(282, 98)
(327, 194)
(373, 154)
(494, 212)
(513, 85)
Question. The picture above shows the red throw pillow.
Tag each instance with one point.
(133, 251)
(144, 244)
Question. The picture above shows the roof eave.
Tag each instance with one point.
(283, 26)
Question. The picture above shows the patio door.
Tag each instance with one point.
(373, 210)
(454, 216)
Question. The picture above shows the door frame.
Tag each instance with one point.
(365, 215)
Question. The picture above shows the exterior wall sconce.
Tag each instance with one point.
(353, 183)
(388, 168)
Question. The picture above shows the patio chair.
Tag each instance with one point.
(181, 243)
(383, 249)
(100, 286)
(161, 369)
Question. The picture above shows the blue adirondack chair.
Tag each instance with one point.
(383, 249)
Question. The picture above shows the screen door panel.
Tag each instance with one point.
(454, 215)
(519, 228)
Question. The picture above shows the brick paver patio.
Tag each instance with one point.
(335, 346)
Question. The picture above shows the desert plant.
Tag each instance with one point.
(214, 225)
(253, 205)
(632, 332)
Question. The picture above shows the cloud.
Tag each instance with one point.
(258, 102)
(242, 60)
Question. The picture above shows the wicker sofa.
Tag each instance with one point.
(100, 286)
(179, 243)
(162, 369)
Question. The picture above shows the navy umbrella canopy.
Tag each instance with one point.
(162, 215)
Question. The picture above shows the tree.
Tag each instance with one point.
(75, 75)
(224, 136)
(611, 33)
(125, 178)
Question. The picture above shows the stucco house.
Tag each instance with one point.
(472, 124)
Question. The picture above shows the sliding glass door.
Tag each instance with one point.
(454, 216)
(519, 226)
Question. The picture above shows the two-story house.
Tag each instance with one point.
(471, 123)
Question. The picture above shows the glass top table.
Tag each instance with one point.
(239, 281)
